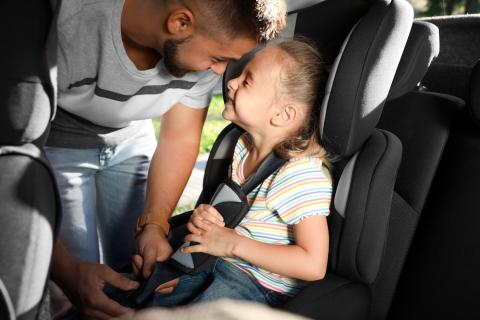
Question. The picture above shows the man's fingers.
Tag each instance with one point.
(165, 290)
(119, 281)
(137, 262)
(109, 308)
(91, 314)
(149, 259)
(168, 286)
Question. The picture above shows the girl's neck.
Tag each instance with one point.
(258, 151)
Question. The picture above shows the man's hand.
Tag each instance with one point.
(152, 246)
(164, 288)
(85, 290)
(83, 283)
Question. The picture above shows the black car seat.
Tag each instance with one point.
(367, 158)
(441, 276)
(422, 120)
(29, 202)
(460, 43)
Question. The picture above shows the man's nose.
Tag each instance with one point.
(219, 67)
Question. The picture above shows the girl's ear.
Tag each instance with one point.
(285, 115)
(181, 22)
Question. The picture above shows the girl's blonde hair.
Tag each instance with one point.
(303, 81)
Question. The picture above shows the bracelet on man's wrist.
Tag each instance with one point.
(148, 218)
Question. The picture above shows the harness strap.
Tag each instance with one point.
(271, 163)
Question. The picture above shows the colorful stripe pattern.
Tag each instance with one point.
(298, 190)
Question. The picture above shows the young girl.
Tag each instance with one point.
(282, 242)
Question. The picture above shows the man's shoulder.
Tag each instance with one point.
(69, 9)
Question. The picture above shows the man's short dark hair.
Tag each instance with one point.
(261, 19)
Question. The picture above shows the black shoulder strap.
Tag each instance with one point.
(271, 163)
(219, 161)
(221, 157)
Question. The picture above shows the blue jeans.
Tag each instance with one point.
(103, 192)
(221, 280)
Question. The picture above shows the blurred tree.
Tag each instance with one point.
(441, 7)
(472, 6)
(445, 7)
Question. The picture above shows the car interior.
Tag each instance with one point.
(400, 116)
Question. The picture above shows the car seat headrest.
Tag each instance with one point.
(422, 48)
(362, 75)
(475, 92)
(26, 111)
(26, 92)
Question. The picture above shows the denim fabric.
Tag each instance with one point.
(103, 193)
(221, 280)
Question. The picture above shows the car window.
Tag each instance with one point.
(294, 5)
(430, 8)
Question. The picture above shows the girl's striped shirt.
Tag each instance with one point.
(296, 191)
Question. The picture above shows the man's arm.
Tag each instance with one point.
(171, 166)
(83, 283)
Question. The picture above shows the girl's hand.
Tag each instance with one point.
(203, 218)
(217, 241)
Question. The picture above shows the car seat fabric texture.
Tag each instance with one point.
(30, 209)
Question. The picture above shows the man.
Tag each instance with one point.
(120, 63)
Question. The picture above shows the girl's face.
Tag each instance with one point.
(252, 97)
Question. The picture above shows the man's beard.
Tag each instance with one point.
(170, 54)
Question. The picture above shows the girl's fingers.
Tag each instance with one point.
(193, 238)
(191, 227)
(192, 249)
(200, 222)
(214, 212)
(212, 215)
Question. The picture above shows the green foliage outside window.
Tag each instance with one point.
(429, 8)
(212, 127)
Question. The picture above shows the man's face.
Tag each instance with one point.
(197, 53)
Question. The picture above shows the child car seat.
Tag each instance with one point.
(368, 158)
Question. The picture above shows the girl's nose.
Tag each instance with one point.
(232, 84)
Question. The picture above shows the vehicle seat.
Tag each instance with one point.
(30, 206)
(422, 120)
(441, 275)
(367, 158)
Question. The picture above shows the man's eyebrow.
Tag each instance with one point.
(222, 59)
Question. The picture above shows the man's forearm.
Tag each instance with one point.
(173, 161)
(62, 264)
(169, 172)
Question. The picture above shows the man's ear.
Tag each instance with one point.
(181, 22)
(285, 115)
